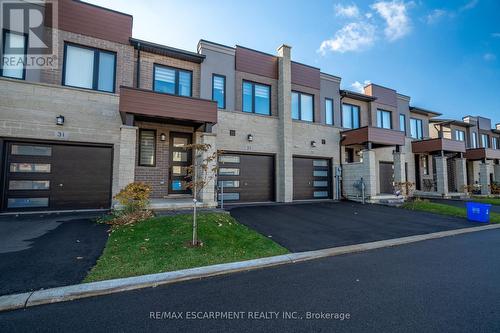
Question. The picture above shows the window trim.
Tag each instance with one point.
(382, 119)
(300, 106)
(213, 80)
(404, 123)
(154, 149)
(95, 74)
(333, 111)
(177, 70)
(253, 83)
(352, 117)
(4, 35)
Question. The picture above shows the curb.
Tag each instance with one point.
(73, 292)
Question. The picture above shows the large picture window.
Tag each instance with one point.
(89, 68)
(219, 90)
(302, 106)
(172, 80)
(416, 128)
(147, 147)
(350, 116)
(256, 98)
(384, 119)
(14, 54)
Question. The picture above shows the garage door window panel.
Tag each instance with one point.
(30, 167)
(229, 159)
(233, 196)
(229, 171)
(25, 150)
(29, 185)
(27, 202)
(229, 183)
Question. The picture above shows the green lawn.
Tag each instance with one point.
(159, 245)
(491, 201)
(443, 209)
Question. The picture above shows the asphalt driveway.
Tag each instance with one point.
(47, 251)
(305, 227)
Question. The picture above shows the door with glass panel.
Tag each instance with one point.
(180, 160)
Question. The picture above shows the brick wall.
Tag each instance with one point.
(149, 59)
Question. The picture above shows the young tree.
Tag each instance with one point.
(199, 175)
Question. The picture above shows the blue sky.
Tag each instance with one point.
(444, 54)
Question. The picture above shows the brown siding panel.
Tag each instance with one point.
(433, 145)
(149, 103)
(85, 19)
(305, 76)
(255, 62)
(375, 135)
(482, 153)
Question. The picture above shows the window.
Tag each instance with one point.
(219, 90)
(256, 98)
(416, 128)
(27, 202)
(229, 183)
(320, 173)
(494, 143)
(474, 140)
(485, 141)
(31, 150)
(89, 68)
(302, 106)
(402, 123)
(329, 111)
(229, 196)
(172, 81)
(459, 135)
(14, 55)
(320, 194)
(229, 159)
(29, 185)
(424, 163)
(147, 147)
(320, 183)
(320, 163)
(350, 116)
(384, 119)
(30, 167)
(229, 171)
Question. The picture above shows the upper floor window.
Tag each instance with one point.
(485, 141)
(256, 98)
(474, 140)
(329, 111)
(384, 119)
(350, 116)
(219, 90)
(459, 135)
(172, 80)
(302, 106)
(494, 143)
(402, 123)
(416, 128)
(14, 55)
(86, 67)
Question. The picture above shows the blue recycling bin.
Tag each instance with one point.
(478, 212)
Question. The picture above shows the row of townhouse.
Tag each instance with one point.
(117, 110)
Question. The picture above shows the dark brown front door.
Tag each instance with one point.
(41, 176)
(311, 178)
(180, 160)
(246, 178)
(386, 173)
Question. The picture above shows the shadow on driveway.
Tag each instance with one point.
(45, 252)
(305, 227)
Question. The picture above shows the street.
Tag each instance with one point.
(448, 284)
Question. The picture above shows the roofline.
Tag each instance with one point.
(104, 8)
(451, 121)
(424, 111)
(216, 47)
(170, 51)
(214, 43)
(330, 77)
(402, 96)
(356, 95)
(378, 85)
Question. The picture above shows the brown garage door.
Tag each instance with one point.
(41, 176)
(246, 178)
(386, 177)
(311, 178)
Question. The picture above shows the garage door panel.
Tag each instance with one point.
(311, 178)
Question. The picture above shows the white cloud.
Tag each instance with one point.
(395, 15)
(495, 35)
(489, 57)
(346, 11)
(368, 15)
(354, 36)
(360, 87)
(435, 15)
(469, 5)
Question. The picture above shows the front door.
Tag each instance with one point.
(180, 160)
(386, 177)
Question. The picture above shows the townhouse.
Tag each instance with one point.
(116, 110)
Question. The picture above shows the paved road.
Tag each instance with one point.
(443, 285)
(304, 227)
(47, 251)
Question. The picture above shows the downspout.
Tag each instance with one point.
(138, 66)
(341, 194)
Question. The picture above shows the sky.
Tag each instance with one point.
(444, 54)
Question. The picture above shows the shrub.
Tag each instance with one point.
(134, 197)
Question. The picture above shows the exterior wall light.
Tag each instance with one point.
(313, 143)
(250, 137)
(60, 120)
(163, 137)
